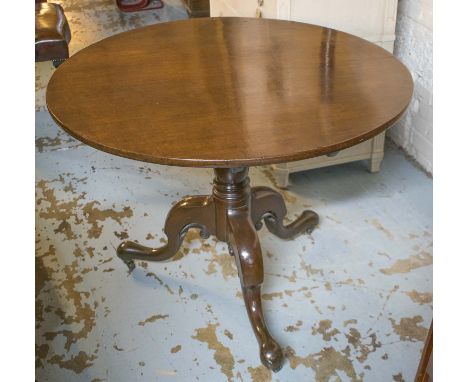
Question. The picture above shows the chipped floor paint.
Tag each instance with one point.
(351, 302)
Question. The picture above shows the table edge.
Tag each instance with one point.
(213, 163)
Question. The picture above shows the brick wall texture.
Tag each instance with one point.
(413, 46)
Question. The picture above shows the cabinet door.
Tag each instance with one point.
(373, 20)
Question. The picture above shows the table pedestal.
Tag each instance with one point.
(232, 213)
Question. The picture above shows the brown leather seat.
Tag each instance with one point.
(52, 33)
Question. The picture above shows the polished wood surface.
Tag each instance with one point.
(233, 213)
(228, 92)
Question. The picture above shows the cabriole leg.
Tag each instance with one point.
(247, 252)
(190, 212)
(269, 205)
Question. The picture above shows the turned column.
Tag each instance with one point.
(234, 224)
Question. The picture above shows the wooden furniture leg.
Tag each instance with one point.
(232, 196)
(268, 205)
(233, 213)
(248, 255)
(190, 212)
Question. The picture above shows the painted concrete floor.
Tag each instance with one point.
(351, 302)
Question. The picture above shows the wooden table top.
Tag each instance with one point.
(228, 92)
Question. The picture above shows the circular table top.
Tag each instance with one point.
(228, 92)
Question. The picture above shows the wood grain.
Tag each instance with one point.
(228, 92)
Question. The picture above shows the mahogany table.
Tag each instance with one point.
(229, 93)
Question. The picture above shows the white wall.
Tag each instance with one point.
(413, 46)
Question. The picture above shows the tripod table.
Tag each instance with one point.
(229, 93)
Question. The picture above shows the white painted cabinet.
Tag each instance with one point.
(373, 20)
